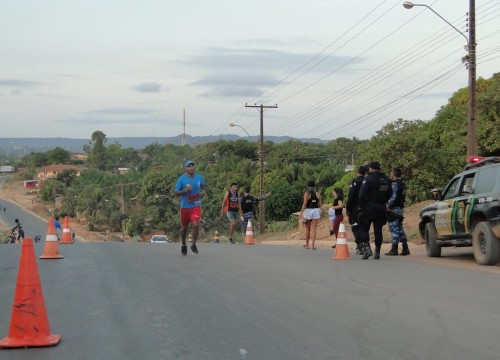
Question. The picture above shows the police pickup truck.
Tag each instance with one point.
(466, 213)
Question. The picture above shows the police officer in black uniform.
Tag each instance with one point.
(351, 207)
(372, 206)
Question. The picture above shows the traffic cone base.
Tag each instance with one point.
(249, 240)
(29, 325)
(66, 233)
(341, 249)
(51, 248)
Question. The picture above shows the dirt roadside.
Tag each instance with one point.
(14, 191)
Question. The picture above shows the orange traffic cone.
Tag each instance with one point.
(51, 248)
(341, 250)
(249, 234)
(66, 232)
(29, 324)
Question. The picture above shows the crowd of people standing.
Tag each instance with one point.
(373, 200)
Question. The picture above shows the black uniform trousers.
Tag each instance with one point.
(376, 214)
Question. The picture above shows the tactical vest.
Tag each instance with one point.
(401, 194)
(247, 203)
(380, 190)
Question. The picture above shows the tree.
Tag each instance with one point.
(50, 188)
(488, 105)
(66, 176)
(96, 150)
(58, 156)
(36, 160)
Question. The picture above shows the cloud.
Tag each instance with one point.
(247, 72)
(122, 111)
(235, 84)
(148, 87)
(233, 91)
(250, 59)
(16, 83)
(235, 78)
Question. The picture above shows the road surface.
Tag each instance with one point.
(145, 301)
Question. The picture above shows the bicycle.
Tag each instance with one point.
(12, 238)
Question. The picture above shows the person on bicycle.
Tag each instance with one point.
(19, 228)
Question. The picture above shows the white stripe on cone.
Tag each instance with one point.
(51, 238)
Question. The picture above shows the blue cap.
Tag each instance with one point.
(189, 162)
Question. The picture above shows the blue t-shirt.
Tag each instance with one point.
(192, 198)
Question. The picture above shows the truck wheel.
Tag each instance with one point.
(432, 248)
(486, 246)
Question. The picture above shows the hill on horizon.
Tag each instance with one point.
(23, 146)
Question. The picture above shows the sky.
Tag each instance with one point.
(333, 68)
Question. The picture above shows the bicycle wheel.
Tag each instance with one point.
(9, 240)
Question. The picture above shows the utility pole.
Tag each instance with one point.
(183, 142)
(471, 48)
(262, 208)
(122, 211)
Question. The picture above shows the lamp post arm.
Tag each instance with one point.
(232, 125)
(446, 21)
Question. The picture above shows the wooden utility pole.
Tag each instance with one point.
(471, 63)
(183, 142)
(262, 209)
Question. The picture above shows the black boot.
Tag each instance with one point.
(405, 250)
(359, 249)
(367, 251)
(393, 251)
(376, 253)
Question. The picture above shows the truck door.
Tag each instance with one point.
(443, 220)
(452, 215)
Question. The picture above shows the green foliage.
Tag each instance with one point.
(280, 226)
(58, 156)
(283, 200)
(50, 189)
(36, 160)
(96, 150)
(488, 111)
(66, 176)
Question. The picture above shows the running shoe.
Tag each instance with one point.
(194, 249)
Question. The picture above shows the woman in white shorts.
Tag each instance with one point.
(310, 213)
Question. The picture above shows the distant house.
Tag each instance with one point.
(7, 169)
(30, 184)
(80, 157)
(52, 171)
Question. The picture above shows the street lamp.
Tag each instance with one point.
(471, 65)
(233, 125)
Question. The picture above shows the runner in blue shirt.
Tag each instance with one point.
(191, 188)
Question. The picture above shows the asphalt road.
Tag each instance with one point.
(145, 301)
